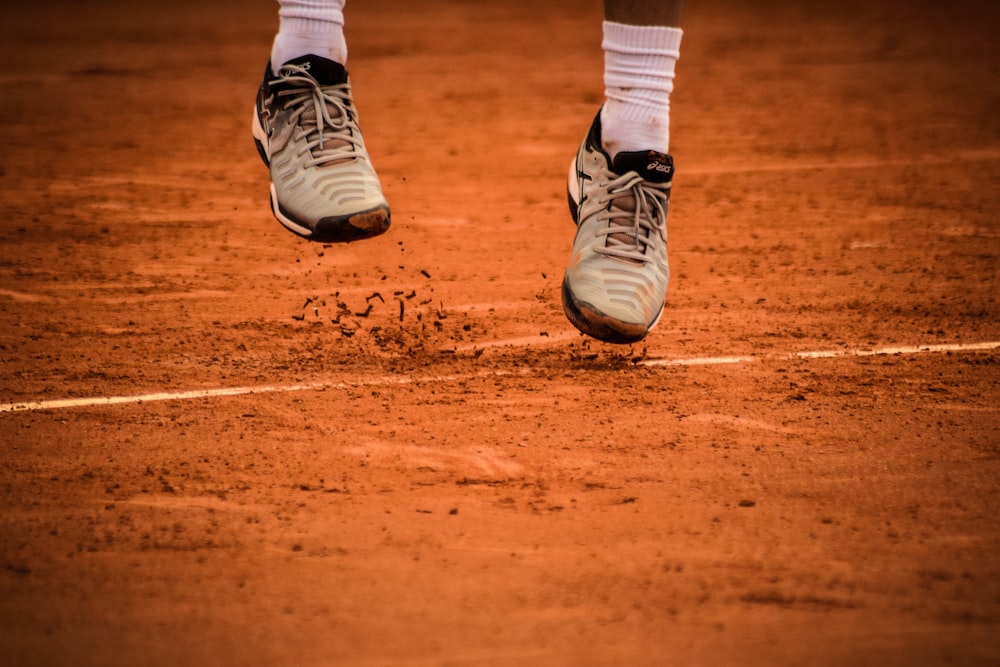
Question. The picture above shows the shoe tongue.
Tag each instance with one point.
(325, 71)
(651, 165)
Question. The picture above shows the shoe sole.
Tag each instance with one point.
(585, 316)
(334, 229)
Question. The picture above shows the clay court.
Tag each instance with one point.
(224, 445)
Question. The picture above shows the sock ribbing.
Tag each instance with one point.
(639, 64)
(310, 27)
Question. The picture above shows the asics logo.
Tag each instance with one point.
(658, 166)
(290, 72)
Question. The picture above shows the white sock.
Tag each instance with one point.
(638, 79)
(307, 27)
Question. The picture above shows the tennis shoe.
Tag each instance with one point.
(616, 284)
(323, 185)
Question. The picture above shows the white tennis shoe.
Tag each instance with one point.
(323, 185)
(616, 284)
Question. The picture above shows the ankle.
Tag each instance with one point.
(639, 64)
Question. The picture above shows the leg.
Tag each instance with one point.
(619, 185)
(310, 27)
(323, 185)
(641, 46)
(644, 12)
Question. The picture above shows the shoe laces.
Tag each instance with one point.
(638, 209)
(321, 115)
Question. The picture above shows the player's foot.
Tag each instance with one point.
(323, 185)
(616, 283)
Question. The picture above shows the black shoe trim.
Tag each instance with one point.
(326, 72)
(339, 229)
(596, 324)
(653, 166)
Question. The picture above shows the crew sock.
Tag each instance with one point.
(638, 78)
(309, 27)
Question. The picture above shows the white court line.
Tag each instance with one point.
(829, 354)
(974, 155)
(94, 401)
(696, 361)
(235, 391)
(526, 341)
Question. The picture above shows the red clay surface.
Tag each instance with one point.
(476, 483)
